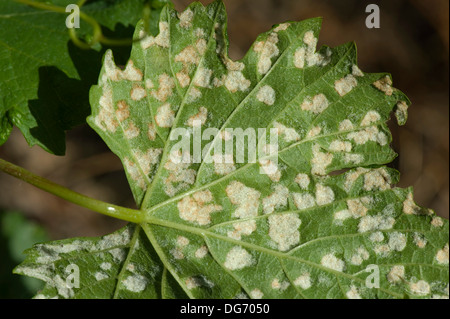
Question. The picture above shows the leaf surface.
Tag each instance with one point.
(309, 221)
(126, 266)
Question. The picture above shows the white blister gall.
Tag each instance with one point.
(332, 262)
(198, 208)
(266, 95)
(284, 230)
(238, 258)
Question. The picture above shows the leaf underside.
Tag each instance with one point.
(308, 228)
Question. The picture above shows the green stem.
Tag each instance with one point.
(127, 214)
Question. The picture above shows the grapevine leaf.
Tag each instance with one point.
(45, 80)
(312, 220)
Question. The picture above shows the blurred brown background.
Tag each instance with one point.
(412, 44)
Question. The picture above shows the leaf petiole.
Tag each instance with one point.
(127, 214)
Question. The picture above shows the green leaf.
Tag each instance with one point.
(45, 80)
(119, 265)
(313, 226)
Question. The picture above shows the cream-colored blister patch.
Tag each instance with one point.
(332, 262)
(316, 104)
(132, 131)
(165, 90)
(396, 274)
(135, 283)
(303, 201)
(180, 175)
(401, 112)
(280, 285)
(138, 93)
(203, 77)
(359, 256)
(442, 255)
(223, 164)
(198, 207)
(277, 199)
(345, 85)
(256, 294)
(320, 160)
(246, 198)
(353, 293)
(267, 50)
(345, 125)
(123, 111)
(238, 258)
(165, 116)
(271, 169)
(283, 230)
(201, 252)
(340, 146)
(302, 180)
(235, 81)
(242, 229)
(303, 281)
(266, 95)
(186, 18)
(290, 134)
(198, 119)
(377, 179)
(384, 85)
(161, 40)
(151, 132)
(420, 288)
(324, 195)
(315, 131)
(134, 172)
